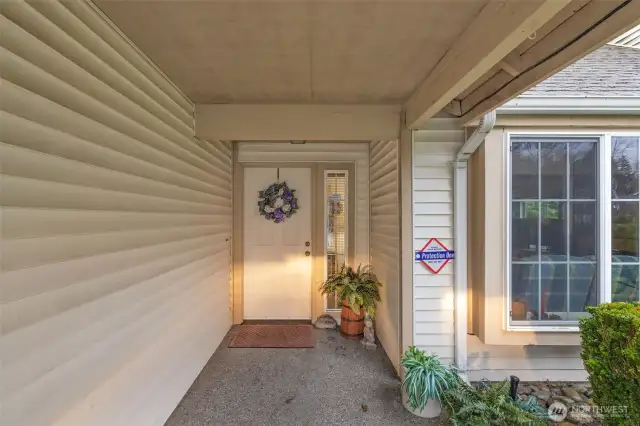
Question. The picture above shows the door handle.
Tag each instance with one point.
(307, 243)
(307, 253)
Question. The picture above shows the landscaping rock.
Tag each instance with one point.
(556, 391)
(572, 393)
(543, 403)
(579, 417)
(524, 390)
(534, 389)
(326, 321)
(542, 395)
(565, 400)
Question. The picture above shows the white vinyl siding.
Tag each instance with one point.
(385, 242)
(326, 152)
(529, 363)
(434, 150)
(115, 252)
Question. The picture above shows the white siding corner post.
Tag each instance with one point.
(460, 235)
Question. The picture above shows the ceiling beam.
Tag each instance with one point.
(279, 122)
(500, 27)
(587, 30)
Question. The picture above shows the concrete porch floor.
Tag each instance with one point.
(325, 385)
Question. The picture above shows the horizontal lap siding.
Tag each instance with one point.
(529, 363)
(385, 242)
(115, 226)
(433, 153)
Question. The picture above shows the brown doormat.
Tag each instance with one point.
(274, 336)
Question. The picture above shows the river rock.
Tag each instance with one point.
(542, 395)
(572, 393)
(579, 417)
(565, 400)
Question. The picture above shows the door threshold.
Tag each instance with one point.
(276, 322)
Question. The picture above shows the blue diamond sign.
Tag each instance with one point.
(434, 255)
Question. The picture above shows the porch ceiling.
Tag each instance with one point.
(366, 58)
(352, 52)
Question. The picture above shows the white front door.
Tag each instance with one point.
(277, 272)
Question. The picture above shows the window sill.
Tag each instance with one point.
(545, 329)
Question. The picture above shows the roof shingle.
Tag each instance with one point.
(611, 71)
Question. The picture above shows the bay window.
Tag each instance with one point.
(574, 207)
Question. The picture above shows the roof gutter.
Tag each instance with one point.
(461, 237)
(610, 105)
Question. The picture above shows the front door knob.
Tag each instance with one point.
(307, 253)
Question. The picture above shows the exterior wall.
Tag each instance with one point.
(385, 242)
(115, 223)
(434, 150)
(494, 352)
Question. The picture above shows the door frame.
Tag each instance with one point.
(317, 228)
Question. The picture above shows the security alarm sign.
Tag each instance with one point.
(434, 255)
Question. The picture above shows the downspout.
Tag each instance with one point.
(460, 235)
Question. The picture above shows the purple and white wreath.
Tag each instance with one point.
(277, 202)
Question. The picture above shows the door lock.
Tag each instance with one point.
(307, 253)
(307, 243)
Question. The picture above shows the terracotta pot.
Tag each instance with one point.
(351, 324)
(432, 409)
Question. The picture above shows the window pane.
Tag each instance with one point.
(336, 220)
(553, 164)
(583, 288)
(583, 170)
(554, 291)
(583, 230)
(624, 167)
(524, 230)
(624, 231)
(524, 170)
(554, 231)
(625, 284)
(524, 292)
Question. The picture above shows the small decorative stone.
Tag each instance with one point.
(556, 391)
(544, 388)
(579, 417)
(571, 393)
(542, 403)
(326, 321)
(524, 390)
(581, 389)
(534, 389)
(565, 400)
(542, 395)
(369, 341)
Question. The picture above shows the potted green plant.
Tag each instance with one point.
(425, 381)
(359, 290)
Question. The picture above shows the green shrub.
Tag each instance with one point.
(611, 355)
(491, 404)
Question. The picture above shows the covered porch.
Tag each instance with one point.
(125, 126)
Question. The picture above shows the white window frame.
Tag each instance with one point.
(604, 204)
(325, 223)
